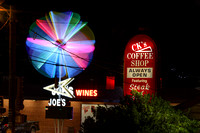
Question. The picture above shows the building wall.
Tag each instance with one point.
(35, 111)
(194, 112)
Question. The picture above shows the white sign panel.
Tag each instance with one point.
(63, 88)
(139, 72)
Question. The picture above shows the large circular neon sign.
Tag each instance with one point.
(60, 45)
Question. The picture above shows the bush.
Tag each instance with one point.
(144, 114)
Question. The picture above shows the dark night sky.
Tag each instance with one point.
(174, 26)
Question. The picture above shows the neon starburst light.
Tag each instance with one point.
(60, 45)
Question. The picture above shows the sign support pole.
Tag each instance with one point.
(56, 82)
(12, 72)
(59, 123)
(58, 126)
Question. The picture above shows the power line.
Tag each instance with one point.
(60, 46)
(76, 56)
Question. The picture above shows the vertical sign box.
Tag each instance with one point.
(140, 65)
(110, 82)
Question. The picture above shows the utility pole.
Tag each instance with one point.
(12, 71)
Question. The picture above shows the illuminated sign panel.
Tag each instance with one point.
(110, 82)
(57, 102)
(139, 65)
(62, 90)
(86, 93)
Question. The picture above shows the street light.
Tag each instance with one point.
(4, 16)
(2, 1)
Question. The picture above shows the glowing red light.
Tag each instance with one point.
(110, 82)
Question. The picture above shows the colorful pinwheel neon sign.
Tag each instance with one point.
(60, 45)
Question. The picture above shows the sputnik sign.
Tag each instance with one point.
(139, 65)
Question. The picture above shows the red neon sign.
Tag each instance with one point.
(110, 82)
(140, 65)
(86, 93)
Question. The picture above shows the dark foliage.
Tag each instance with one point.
(144, 114)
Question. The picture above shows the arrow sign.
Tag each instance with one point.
(63, 88)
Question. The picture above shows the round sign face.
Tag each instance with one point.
(140, 65)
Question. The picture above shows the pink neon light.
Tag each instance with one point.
(44, 43)
(47, 28)
(81, 59)
(79, 48)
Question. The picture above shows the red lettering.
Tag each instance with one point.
(79, 92)
(91, 93)
(87, 93)
(95, 93)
